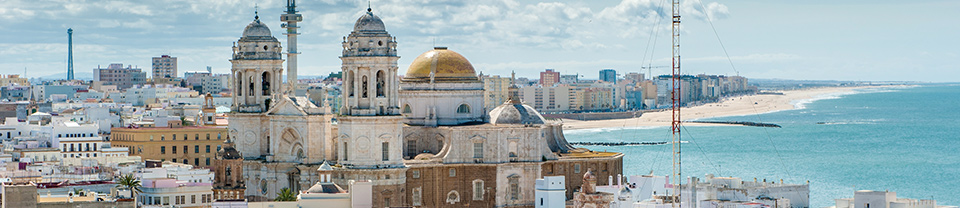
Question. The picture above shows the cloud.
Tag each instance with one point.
(769, 57)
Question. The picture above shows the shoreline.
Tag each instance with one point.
(732, 106)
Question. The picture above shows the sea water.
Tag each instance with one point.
(901, 139)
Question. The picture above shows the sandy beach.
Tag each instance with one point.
(733, 106)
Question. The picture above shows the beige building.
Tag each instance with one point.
(13, 79)
(164, 66)
(193, 145)
(495, 91)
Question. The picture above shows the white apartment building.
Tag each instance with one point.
(170, 184)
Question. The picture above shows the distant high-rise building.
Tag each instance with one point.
(123, 78)
(549, 77)
(634, 77)
(569, 79)
(164, 66)
(608, 75)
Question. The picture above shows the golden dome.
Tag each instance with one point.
(445, 66)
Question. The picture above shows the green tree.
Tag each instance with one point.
(130, 182)
(285, 195)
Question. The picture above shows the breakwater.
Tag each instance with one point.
(745, 123)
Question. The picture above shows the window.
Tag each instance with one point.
(385, 151)
(417, 198)
(412, 148)
(174, 151)
(208, 136)
(478, 150)
(380, 81)
(208, 161)
(185, 149)
(218, 148)
(463, 108)
(345, 151)
(416, 174)
(196, 148)
(174, 137)
(196, 137)
(162, 137)
(453, 172)
(364, 87)
(208, 148)
(193, 199)
(576, 168)
(163, 150)
(406, 108)
(218, 136)
(477, 190)
(514, 187)
(196, 161)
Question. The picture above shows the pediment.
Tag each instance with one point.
(286, 107)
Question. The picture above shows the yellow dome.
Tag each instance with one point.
(445, 65)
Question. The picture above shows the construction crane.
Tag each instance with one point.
(675, 98)
(649, 72)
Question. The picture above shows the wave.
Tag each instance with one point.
(802, 103)
(611, 129)
(856, 122)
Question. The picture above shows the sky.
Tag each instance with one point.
(856, 40)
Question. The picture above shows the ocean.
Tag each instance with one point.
(901, 139)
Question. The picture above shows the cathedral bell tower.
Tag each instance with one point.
(257, 69)
(370, 117)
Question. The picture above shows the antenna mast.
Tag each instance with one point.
(675, 96)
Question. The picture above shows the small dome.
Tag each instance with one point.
(228, 152)
(256, 29)
(369, 22)
(445, 65)
(515, 113)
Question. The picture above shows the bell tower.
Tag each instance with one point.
(370, 69)
(256, 69)
(370, 117)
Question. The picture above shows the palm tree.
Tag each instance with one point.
(285, 195)
(129, 182)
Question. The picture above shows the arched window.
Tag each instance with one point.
(349, 83)
(238, 84)
(406, 108)
(363, 83)
(464, 108)
(265, 82)
(380, 83)
(251, 90)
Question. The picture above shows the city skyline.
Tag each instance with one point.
(803, 40)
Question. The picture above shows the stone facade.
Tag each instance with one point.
(436, 154)
(279, 136)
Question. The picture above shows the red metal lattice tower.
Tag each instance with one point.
(676, 103)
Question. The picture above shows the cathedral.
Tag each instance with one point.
(422, 140)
